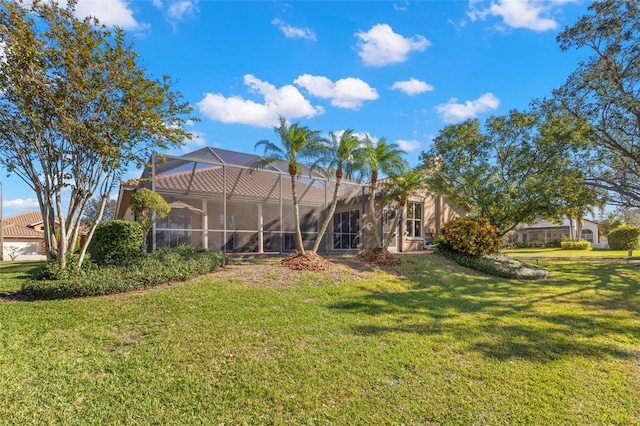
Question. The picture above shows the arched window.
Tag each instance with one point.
(587, 234)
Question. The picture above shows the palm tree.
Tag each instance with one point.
(398, 190)
(298, 143)
(345, 156)
(386, 158)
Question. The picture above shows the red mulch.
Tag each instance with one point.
(309, 262)
(379, 256)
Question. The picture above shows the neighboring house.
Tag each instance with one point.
(23, 237)
(220, 201)
(543, 231)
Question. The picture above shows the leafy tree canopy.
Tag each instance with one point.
(297, 143)
(92, 211)
(76, 111)
(605, 91)
(520, 166)
(148, 206)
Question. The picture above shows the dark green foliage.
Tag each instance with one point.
(52, 270)
(603, 90)
(161, 266)
(473, 237)
(116, 242)
(555, 243)
(625, 237)
(496, 265)
(78, 109)
(514, 168)
(575, 245)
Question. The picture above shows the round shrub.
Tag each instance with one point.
(625, 237)
(116, 242)
(473, 237)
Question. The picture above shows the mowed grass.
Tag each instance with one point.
(595, 253)
(427, 342)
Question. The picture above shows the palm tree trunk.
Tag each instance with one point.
(394, 227)
(372, 212)
(327, 219)
(296, 216)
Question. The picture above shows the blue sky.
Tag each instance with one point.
(402, 69)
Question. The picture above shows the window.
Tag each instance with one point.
(346, 230)
(587, 234)
(414, 220)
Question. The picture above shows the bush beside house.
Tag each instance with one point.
(580, 244)
(116, 242)
(474, 243)
(472, 237)
(161, 266)
(625, 237)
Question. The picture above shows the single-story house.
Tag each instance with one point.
(543, 231)
(23, 237)
(221, 201)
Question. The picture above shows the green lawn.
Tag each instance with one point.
(559, 253)
(426, 343)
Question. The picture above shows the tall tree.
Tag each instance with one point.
(76, 111)
(148, 207)
(93, 210)
(345, 157)
(299, 143)
(605, 91)
(521, 166)
(387, 158)
(398, 190)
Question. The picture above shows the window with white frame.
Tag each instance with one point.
(414, 220)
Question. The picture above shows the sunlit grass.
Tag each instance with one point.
(559, 253)
(426, 342)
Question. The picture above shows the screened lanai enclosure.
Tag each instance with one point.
(220, 199)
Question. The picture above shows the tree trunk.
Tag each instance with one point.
(572, 234)
(83, 249)
(394, 227)
(296, 216)
(372, 209)
(62, 244)
(327, 220)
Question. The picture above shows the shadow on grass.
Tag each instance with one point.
(29, 268)
(567, 316)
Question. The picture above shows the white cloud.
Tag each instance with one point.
(381, 46)
(179, 9)
(294, 32)
(530, 14)
(453, 112)
(157, 4)
(112, 12)
(408, 145)
(20, 203)
(362, 136)
(412, 86)
(286, 100)
(401, 7)
(347, 93)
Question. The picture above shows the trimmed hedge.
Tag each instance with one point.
(625, 237)
(473, 237)
(497, 265)
(159, 267)
(575, 245)
(116, 242)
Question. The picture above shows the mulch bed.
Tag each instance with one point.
(379, 256)
(309, 262)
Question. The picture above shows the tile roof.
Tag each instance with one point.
(19, 225)
(241, 183)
